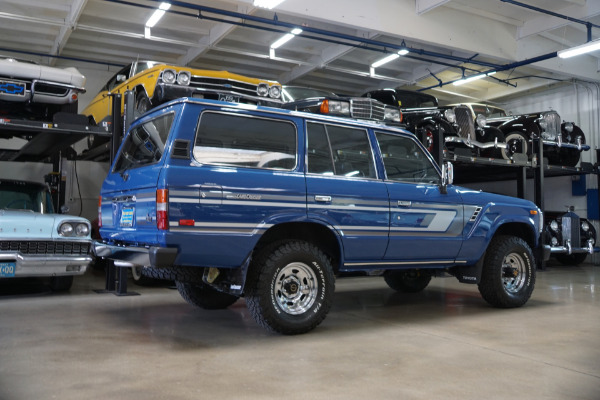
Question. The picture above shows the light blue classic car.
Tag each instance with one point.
(35, 242)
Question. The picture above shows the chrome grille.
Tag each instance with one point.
(553, 125)
(570, 229)
(217, 84)
(365, 108)
(45, 247)
(464, 119)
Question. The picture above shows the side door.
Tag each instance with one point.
(426, 225)
(344, 192)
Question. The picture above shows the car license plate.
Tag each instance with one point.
(127, 216)
(229, 98)
(12, 88)
(7, 269)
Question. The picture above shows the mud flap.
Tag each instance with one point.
(469, 273)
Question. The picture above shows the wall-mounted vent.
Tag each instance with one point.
(181, 149)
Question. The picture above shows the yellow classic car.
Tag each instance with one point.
(155, 83)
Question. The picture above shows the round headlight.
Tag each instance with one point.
(262, 89)
(183, 78)
(585, 226)
(569, 126)
(169, 76)
(543, 124)
(275, 92)
(450, 115)
(554, 241)
(65, 229)
(554, 225)
(82, 230)
(481, 120)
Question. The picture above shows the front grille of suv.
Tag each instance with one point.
(365, 108)
(45, 247)
(465, 123)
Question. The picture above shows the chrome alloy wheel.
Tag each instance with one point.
(514, 272)
(295, 288)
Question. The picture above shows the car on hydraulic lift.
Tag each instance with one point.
(32, 91)
(35, 242)
(569, 237)
(423, 116)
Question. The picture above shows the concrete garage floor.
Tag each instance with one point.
(443, 343)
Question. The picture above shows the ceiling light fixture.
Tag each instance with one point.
(267, 3)
(588, 47)
(473, 78)
(283, 40)
(389, 58)
(158, 14)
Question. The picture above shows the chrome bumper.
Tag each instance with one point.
(47, 265)
(474, 143)
(129, 256)
(568, 249)
(559, 143)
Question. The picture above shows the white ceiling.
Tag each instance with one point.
(491, 33)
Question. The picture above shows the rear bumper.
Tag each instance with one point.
(156, 257)
(43, 265)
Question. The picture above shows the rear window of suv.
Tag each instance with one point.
(243, 141)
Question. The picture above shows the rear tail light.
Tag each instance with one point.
(162, 209)
(99, 211)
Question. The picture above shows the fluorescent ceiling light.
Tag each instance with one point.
(584, 48)
(473, 78)
(286, 38)
(147, 34)
(267, 3)
(389, 58)
(158, 14)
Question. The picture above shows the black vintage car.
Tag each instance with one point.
(568, 237)
(323, 102)
(563, 141)
(422, 115)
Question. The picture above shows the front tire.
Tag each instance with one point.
(61, 283)
(204, 296)
(142, 104)
(411, 281)
(508, 274)
(516, 143)
(290, 288)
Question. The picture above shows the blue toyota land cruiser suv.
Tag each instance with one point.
(233, 200)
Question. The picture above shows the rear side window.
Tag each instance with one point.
(339, 150)
(243, 141)
(145, 144)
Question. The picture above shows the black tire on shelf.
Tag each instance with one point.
(407, 281)
(516, 142)
(290, 287)
(508, 274)
(61, 283)
(204, 296)
(571, 259)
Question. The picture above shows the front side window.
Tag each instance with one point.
(405, 161)
(145, 143)
(339, 150)
(244, 141)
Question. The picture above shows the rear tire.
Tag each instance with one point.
(204, 296)
(410, 281)
(508, 274)
(290, 287)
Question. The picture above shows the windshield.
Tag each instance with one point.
(415, 100)
(25, 196)
(488, 111)
(293, 93)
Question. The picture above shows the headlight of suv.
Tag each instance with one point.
(71, 229)
(184, 78)
(481, 120)
(169, 76)
(450, 115)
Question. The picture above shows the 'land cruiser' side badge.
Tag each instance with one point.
(244, 196)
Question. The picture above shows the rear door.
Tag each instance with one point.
(129, 191)
(344, 192)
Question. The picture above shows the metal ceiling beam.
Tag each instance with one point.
(423, 6)
(71, 20)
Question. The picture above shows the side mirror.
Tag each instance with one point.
(447, 175)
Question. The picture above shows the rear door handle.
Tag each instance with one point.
(323, 199)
